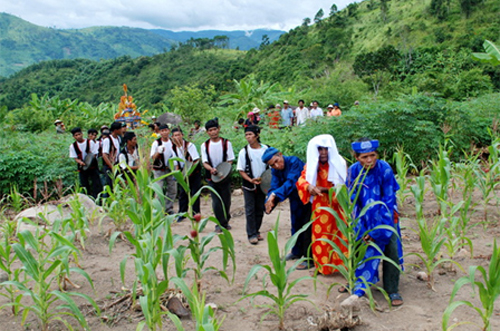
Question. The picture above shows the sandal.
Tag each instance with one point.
(344, 289)
(396, 299)
(304, 266)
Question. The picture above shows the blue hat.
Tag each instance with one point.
(268, 154)
(365, 146)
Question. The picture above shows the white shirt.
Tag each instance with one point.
(216, 150)
(168, 152)
(255, 155)
(133, 159)
(302, 115)
(106, 147)
(316, 112)
(191, 149)
(94, 148)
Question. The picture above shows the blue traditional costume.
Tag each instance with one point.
(283, 187)
(379, 184)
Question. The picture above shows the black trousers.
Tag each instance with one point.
(91, 181)
(194, 186)
(222, 206)
(254, 210)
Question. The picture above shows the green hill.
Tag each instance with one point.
(374, 49)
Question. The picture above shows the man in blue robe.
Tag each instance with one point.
(376, 182)
(286, 171)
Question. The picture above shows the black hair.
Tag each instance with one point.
(241, 121)
(75, 131)
(89, 131)
(197, 122)
(129, 135)
(302, 101)
(176, 129)
(213, 123)
(115, 126)
(271, 107)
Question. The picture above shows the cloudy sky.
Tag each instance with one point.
(169, 14)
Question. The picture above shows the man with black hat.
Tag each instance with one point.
(251, 167)
(161, 153)
(215, 151)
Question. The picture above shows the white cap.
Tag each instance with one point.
(256, 110)
(330, 106)
(285, 101)
(57, 121)
(278, 105)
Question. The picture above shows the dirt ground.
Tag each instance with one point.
(422, 309)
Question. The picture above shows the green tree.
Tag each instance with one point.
(319, 16)
(306, 21)
(376, 68)
(333, 10)
(384, 9)
(193, 102)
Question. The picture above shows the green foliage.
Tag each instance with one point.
(192, 102)
(488, 288)
(491, 56)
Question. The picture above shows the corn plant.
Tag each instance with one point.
(353, 241)
(198, 245)
(468, 179)
(432, 234)
(455, 239)
(440, 178)
(78, 223)
(7, 260)
(404, 165)
(279, 276)
(40, 261)
(152, 239)
(16, 200)
(116, 206)
(488, 288)
(203, 314)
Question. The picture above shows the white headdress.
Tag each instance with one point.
(337, 170)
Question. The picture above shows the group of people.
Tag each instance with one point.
(284, 117)
(306, 185)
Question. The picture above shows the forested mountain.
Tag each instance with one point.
(374, 49)
(23, 44)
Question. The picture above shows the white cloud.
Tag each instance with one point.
(169, 14)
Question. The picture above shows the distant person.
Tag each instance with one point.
(251, 119)
(315, 110)
(251, 168)
(92, 134)
(214, 151)
(161, 153)
(196, 129)
(274, 117)
(286, 115)
(89, 178)
(285, 173)
(129, 156)
(110, 152)
(356, 103)
(333, 110)
(60, 128)
(256, 113)
(301, 113)
(239, 124)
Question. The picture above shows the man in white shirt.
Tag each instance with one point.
(79, 151)
(251, 167)
(301, 113)
(110, 152)
(161, 152)
(315, 110)
(187, 151)
(214, 151)
(286, 115)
